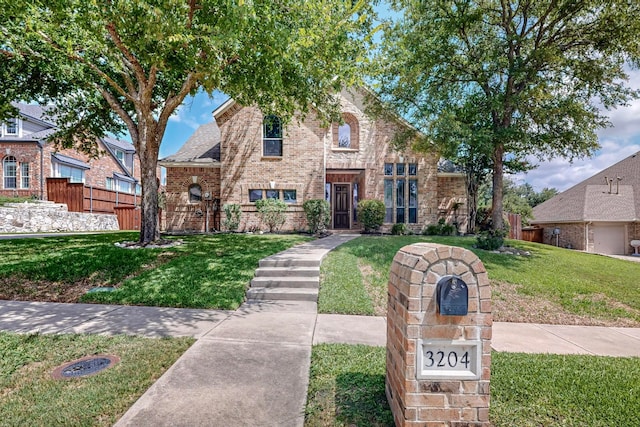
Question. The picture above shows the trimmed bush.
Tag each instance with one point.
(232, 214)
(439, 229)
(399, 229)
(272, 212)
(490, 240)
(371, 214)
(318, 213)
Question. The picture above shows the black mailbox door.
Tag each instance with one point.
(452, 294)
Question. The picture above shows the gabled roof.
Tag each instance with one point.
(70, 161)
(612, 195)
(202, 148)
(121, 145)
(35, 112)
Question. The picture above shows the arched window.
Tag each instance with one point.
(345, 135)
(272, 136)
(9, 172)
(195, 193)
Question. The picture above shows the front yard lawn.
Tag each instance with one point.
(30, 396)
(553, 285)
(205, 272)
(347, 389)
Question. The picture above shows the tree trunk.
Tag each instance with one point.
(472, 202)
(498, 172)
(149, 225)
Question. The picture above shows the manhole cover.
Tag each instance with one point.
(84, 367)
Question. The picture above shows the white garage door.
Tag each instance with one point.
(609, 239)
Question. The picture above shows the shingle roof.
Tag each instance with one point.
(612, 195)
(70, 161)
(37, 112)
(202, 147)
(122, 145)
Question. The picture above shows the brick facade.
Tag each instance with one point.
(580, 235)
(311, 163)
(29, 147)
(182, 215)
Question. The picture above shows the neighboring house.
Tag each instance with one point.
(601, 214)
(244, 156)
(27, 159)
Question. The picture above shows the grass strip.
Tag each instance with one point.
(30, 396)
(347, 388)
(342, 290)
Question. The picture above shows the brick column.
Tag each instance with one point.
(414, 322)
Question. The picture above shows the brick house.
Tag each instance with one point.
(27, 159)
(600, 214)
(243, 156)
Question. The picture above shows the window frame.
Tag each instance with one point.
(17, 124)
(5, 168)
(269, 139)
(193, 197)
(25, 175)
(401, 204)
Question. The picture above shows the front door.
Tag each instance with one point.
(341, 208)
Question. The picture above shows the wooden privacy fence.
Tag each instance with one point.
(532, 234)
(515, 226)
(82, 198)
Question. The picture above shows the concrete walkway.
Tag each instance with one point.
(250, 366)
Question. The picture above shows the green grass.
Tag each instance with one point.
(4, 200)
(30, 396)
(205, 272)
(575, 280)
(347, 388)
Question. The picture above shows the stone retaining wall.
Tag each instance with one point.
(51, 217)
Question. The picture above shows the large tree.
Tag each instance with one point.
(510, 77)
(126, 65)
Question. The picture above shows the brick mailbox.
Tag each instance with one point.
(438, 337)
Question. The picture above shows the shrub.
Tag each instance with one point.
(399, 229)
(232, 213)
(318, 213)
(490, 240)
(371, 214)
(439, 229)
(272, 212)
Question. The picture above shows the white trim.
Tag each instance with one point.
(18, 134)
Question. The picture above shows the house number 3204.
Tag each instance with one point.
(441, 359)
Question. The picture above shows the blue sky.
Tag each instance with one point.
(618, 142)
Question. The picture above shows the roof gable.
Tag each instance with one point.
(203, 147)
(612, 194)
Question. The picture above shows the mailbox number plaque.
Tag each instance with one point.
(449, 359)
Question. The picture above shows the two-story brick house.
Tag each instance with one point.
(27, 158)
(243, 156)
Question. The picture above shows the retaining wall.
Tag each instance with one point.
(51, 217)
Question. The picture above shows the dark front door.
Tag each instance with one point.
(341, 208)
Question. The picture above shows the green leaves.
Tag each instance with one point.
(507, 79)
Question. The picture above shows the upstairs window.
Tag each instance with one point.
(272, 136)
(9, 172)
(345, 135)
(120, 155)
(11, 127)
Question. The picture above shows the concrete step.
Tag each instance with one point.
(285, 282)
(288, 272)
(290, 294)
(276, 261)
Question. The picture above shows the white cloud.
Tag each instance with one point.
(617, 142)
